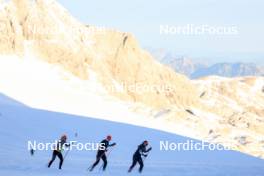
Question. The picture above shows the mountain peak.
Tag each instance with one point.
(49, 32)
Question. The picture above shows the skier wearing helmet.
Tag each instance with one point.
(58, 149)
(141, 151)
(104, 144)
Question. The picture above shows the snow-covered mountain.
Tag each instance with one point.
(50, 61)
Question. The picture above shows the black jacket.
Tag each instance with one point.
(104, 144)
(60, 145)
(142, 150)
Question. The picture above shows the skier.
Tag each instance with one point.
(141, 151)
(59, 148)
(104, 144)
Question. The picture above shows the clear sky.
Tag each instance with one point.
(143, 18)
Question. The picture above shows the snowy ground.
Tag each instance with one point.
(49, 87)
(40, 85)
(19, 123)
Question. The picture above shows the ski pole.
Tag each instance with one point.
(66, 154)
(64, 157)
(108, 153)
(145, 157)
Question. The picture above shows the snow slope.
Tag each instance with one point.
(19, 123)
(46, 86)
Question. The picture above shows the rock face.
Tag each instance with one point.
(214, 109)
(43, 26)
(51, 33)
(239, 105)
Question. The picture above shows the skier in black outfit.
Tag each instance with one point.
(57, 151)
(101, 152)
(141, 151)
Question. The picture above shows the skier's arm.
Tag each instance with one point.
(111, 145)
(144, 150)
(68, 144)
(148, 150)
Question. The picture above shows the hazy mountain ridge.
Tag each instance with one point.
(195, 69)
(229, 70)
(184, 65)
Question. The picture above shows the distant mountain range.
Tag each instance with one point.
(195, 70)
(229, 70)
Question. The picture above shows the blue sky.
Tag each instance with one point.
(144, 17)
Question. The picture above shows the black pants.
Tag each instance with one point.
(100, 155)
(56, 153)
(137, 159)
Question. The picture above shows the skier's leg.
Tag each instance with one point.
(105, 162)
(140, 161)
(133, 164)
(96, 162)
(52, 159)
(61, 159)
